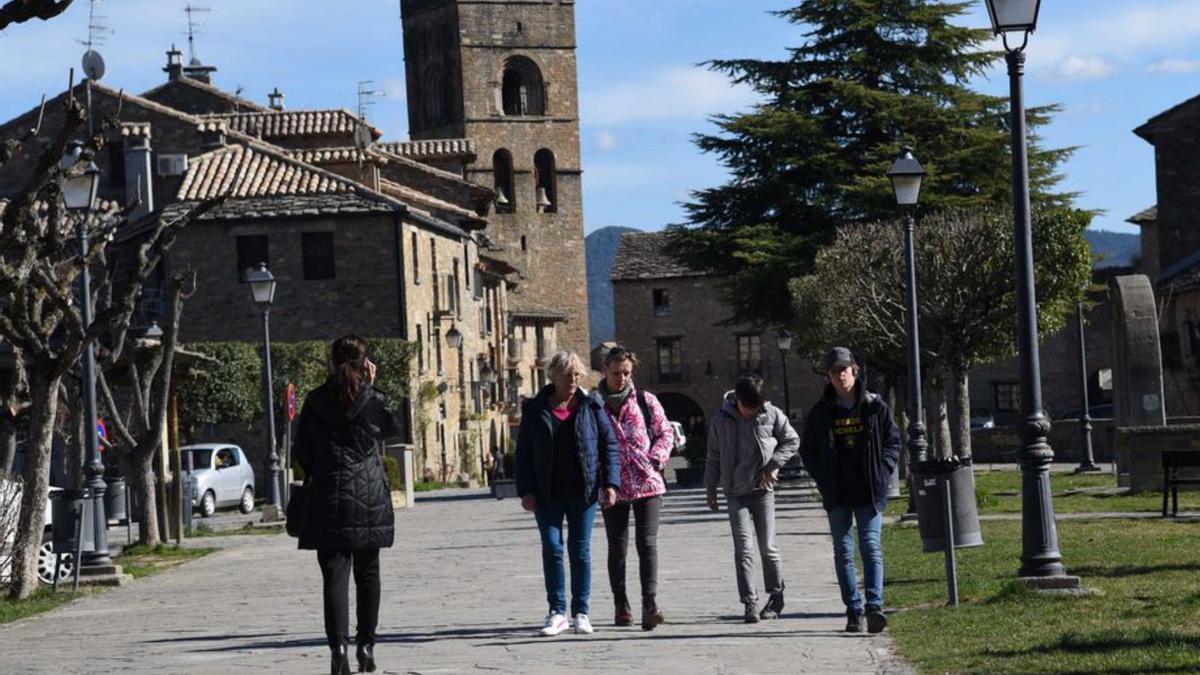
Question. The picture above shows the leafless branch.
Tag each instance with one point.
(20, 11)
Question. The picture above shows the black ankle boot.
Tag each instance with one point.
(366, 658)
(339, 661)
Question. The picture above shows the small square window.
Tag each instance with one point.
(662, 302)
(1008, 396)
(316, 249)
(251, 251)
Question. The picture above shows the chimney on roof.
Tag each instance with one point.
(199, 72)
(174, 69)
(212, 134)
(275, 99)
(139, 181)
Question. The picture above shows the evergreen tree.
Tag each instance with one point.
(871, 75)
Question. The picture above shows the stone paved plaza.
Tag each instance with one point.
(462, 592)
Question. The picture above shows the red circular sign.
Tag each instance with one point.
(291, 401)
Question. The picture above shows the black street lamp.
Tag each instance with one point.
(79, 196)
(1087, 462)
(783, 337)
(1040, 557)
(906, 175)
(262, 288)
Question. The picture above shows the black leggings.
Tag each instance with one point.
(646, 513)
(335, 570)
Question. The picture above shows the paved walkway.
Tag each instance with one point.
(462, 592)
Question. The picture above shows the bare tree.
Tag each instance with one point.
(20, 11)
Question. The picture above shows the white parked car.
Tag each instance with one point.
(222, 477)
(10, 493)
(680, 438)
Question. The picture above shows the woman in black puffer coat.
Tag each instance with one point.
(349, 511)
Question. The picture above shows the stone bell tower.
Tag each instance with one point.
(502, 74)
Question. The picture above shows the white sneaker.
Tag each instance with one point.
(555, 624)
(583, 625)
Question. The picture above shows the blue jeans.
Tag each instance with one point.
(580, 517)
(869, 523)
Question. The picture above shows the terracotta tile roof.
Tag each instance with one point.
(537, 313)
(431, 149)
(409, 195)
(288, 206)
(240, 171)
(1146, 217)
(343, 155)
(208, 89)
(285, 123)
(643, 255)
(135, 129)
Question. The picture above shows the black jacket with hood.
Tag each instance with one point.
(883, 445)
(349, 504)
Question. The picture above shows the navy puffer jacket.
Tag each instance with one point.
(350, 504)
(595, 442)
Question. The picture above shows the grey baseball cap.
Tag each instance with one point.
(838, 357)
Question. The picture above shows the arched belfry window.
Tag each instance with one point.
(523, 92)
(439, 96)
(502, 170)
(547, 181)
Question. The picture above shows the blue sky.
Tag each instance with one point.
(1112, 65)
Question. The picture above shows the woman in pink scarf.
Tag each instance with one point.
(645, 438)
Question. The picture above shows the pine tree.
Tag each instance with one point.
(871, 75)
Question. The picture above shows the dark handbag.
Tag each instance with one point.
(297, 508)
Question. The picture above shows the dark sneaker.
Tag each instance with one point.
(751, 615)
(652, 616)
(876, 621)
(624, 613)
(854, 622)
(773, 608)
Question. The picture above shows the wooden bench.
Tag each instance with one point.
(1172, 462)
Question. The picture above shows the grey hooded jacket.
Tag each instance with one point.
(735, 466)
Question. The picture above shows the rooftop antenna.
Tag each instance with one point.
(366, 96)
(93, 63)
(193, 26)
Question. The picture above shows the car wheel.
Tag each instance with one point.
(208, 504)
(46, 560)
(247, 504)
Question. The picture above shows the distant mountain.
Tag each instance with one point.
(601, 249)
(1114, 249)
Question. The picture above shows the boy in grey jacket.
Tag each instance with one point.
(748, 441)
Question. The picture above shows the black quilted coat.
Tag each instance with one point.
(349, 505)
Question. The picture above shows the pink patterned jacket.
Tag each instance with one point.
(642, 463)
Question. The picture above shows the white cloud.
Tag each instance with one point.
(1092, 107)
(606, 140)
(1076, 68)
(1175, 66)
(670, 94)
(394, 87)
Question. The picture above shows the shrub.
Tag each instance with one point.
(392, 468)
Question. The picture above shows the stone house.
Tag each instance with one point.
(672, 317)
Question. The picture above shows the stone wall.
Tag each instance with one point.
(1139, 454)
(999, 445)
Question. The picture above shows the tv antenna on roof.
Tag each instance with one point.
(93, 63)
(366, 97)
(193, 26)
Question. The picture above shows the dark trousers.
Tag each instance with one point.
(335, 570)
(646, 513)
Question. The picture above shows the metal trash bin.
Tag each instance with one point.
(66, 508)
(114, 501)
(929, 477)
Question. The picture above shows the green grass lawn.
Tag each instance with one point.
(1000, 492)
(203, 529)
(1145, 619)
(43, 600)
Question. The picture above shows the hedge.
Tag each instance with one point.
(232, 392)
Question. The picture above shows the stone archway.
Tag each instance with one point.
(681, 408)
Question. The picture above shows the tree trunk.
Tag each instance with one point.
(939, 426)
(43, 394)
(8, 442)
(144, 486)
(960, 411)
(73, 443)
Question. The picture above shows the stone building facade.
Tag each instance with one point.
(672, 317)
(501, 75)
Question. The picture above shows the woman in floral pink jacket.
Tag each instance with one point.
(645, 439)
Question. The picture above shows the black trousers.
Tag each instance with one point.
(646, 513)
(335, 570)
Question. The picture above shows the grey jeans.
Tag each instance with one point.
(753, 516)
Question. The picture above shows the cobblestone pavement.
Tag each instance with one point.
(462, 592)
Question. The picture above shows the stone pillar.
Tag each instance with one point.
(1137, 358)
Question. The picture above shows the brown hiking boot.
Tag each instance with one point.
(624, 613)
(652, 616)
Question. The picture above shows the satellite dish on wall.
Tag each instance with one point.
(93, 65)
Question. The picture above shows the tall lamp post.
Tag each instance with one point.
(1087, 461)
(1040, 557)
(906, 175)
(262, 288)
(79, 194)
(783, 338)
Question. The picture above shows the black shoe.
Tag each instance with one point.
(876, 621)
(854, 622)
(339, 661)
(773, 608)
(751, 615)
(624, 613)
(652, 616)
(366, 658)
